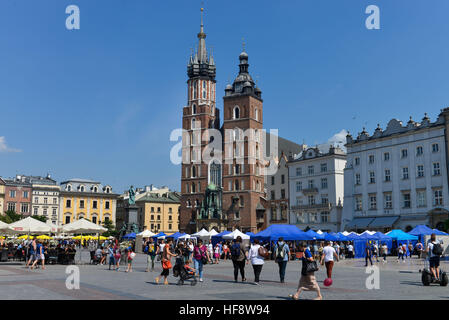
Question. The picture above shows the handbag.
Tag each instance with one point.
(166, 264)
(311, 266)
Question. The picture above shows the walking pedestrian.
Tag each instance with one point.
(217, 253)
(257, 260)
(410, 249)
(39, 256)
(199, 258)
(375, 249)
(151, 254)
(419, 249)
(111, 257)
(31, 253)
(282, 253)
(351, 253)
(328, 258)
(368, 253)
(166, 263)
(118, 257)
(307, 281)
(400, 253)
(130, 256)
(238, 256)
(384, 252)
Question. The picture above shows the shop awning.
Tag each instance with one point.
(383, 222)
(359, 223)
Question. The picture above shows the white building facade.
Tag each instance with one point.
(397, 178)
(316, 189)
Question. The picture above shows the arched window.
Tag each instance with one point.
(194, 109)
(237, 186)
(81, 188)
(193, 171)
(193, 187)
(236, 113)
(204, 89)
(256, 114)
(69, 187)
(195, 85)
(197, 203)
(95, 189)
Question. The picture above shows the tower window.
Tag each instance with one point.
(194, 109)
(195, 84)
(236, 114)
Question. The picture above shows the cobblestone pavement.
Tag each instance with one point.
(397, 281)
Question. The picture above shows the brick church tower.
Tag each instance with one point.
(199, 115)
(243, 171)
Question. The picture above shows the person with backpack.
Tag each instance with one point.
(238, 256)
(257, 254)
(434, 251)
(200, 257)
(150, 249)
(281, 254)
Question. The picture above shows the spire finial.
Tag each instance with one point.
(243, 44)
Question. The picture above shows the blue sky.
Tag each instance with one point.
(100, 102)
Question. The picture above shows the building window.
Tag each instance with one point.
(169, 226)
(158, 218)
(170, 218)
(357, 161)
(24, 208)
(158, 209)
(310, 184)
(36, 200)
(45, 200)
(387, 175)
(357, 178)
(54, 211)
(421, 198)
(373, 202)
(324, 167)
(299, 171)
(106, 205)
(282, 193)
(405, 173)
(82, 189)
(67, 219)
(324, 199)
(358, 203)
(324, 183)
(386, 156)
(81, 204)
(158, 226)
(436, 169)
(388, 203)
(35, 211)
(242, 201)
(25, 194)
(438, 197)
(12, 193)
(236, 113)
(45, 212)
(404, 153)
(313, 217)
(371, 159)
(272, 195)
(310, 169)
(406, 199)
(372, 177)
(68, 203)
(298, 186)
(420, 170)
(311, 200)
(55, 200)
(69, 188)
(152, 217)
(325, 216)
(94, 219)
(435, 147)
(419, 150)
(170, 210)
(282, 179)
(272, 180)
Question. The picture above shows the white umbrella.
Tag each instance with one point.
(234, 234)
(83, 226)
(4, 227)
(54, 227)
(146, 234)
(30, 225)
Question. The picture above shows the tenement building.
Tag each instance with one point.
(17, 195)
(45, 198)
(223, 168)
(397, 177)
(81, 198)
(317, 188)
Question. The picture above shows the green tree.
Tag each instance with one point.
(10, 217)
(112, 231)
(40, 218)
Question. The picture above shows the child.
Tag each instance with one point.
(189, 269)
(131, 256)
(217, 253)
(117, 257)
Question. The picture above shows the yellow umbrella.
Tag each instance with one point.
(25, 237)
(44, 237)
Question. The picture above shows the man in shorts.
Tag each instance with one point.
(434, 259)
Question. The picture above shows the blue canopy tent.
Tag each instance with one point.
(218, 237)
(176, 235)
(360, 243)
(160, 234)
(341, 237)
(330, 237)
(400, 237)
(287, 231)
(129, 236)
(421, 231)
(440, 233)
(315, 235)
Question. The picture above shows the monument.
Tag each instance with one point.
(131, 220)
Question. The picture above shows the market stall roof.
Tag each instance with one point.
(359, 223)
(234, 234)
(315, 235)
(287, 231)
(83, 226)
(422, 230)
(383, 237)
(186, 236)
(176, 235)
(213, 232)
(400, 235)
(202, 233)
(330, 237)
(30, 225)
(131, 235)
(159, 235)
(4, 227)
(146, 234)
(219, 235)
(383, 222)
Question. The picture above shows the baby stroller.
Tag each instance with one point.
(179, 270)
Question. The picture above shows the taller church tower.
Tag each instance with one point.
(199, 115)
